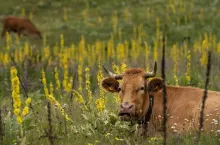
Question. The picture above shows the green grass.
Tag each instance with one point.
(91, 126)
(48, 16)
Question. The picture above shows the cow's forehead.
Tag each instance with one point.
(133, 77)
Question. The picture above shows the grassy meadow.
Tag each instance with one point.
(50, 89)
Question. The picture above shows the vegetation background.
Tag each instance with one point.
(64, 68)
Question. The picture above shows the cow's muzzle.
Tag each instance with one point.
(126, 111)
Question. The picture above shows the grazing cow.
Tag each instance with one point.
(19, 26)
(142, 101)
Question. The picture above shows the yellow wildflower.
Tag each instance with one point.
(19, 119)
(28, 101)
(25, 111)
(16, 112)
(100, 104)
(88, 84)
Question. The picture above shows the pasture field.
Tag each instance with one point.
(50, 89)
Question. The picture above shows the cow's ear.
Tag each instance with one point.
(155, 85)
(110, 84)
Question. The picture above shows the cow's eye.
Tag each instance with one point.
(119, 89)
(141, 88)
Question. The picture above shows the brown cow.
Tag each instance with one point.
(19, 26)
(142, 100)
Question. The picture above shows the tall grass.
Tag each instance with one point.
(65, 68)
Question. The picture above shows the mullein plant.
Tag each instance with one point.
(17, 103)
(82, 50)
(4, 59)
(8, 40)
(120, 51)
(61, 41)
(23, 12)
(57, 79)
(88, 89)
(175, 58)
(100, 102)
(80, 79)
(110, 46)
(116, 70)
(188, 67)
(65, 77)
(218, 47)
(27, 50)
(79, 99)
(146, 54)
(203, 59)
(50, 97)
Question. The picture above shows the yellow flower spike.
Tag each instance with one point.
(26, 49)
(80, 79)
(57, 80)
(175, 58)
(8, 40)
(15, 87)
(120, 51)
(66, 77)
(46, 92)
(156, 45)
(89, 92)
(59, 107)
(100, 104)
(19, 119)
(16, 112)
(123, 67)
(218, 47)
(99, 75)
(17, 103)
(28, 101)
(79, 99)
(23, 13)
(115, 68)
(51, 88)
(188, 78)
(69, 85)
(25, 111)
(61, 41)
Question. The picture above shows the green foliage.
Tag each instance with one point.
(102, 24)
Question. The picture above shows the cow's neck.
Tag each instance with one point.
(157, 114)
(146, 118)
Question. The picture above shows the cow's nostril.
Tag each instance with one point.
(121, 106)
(130, 106)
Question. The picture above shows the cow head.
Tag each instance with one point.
(133, 90)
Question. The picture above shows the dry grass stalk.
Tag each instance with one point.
(201, 120)
(164, 92)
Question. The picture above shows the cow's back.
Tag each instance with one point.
(184, 106)
(20, 25)
(12, 23)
